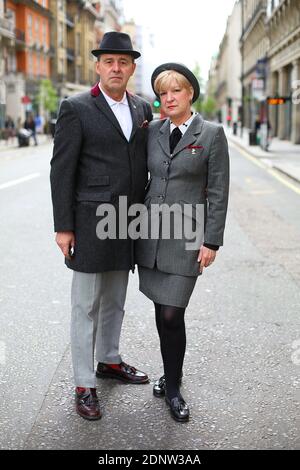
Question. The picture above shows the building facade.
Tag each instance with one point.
(72, 39)
(77, 27)
(135, 83)
(270, 46)
(283, 23)
(7, 42)
(254, 46)
(27, 57)
(51, 39)
(226, 71)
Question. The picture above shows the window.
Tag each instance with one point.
(91, 76)
(78, 74)
(29, 26)
(60, 35)
(37, 31)
(77, 51)
(272, 4)
(45, 34)
(38, 65)
(30, 63)
(42, 71)
(11, 64)
(11, 14)
(61, 67)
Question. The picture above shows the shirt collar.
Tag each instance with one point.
(183, 127)
(113, 102)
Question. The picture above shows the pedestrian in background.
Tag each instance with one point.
(30, 125)
(99, 155)
(188, 164)
(9, 129)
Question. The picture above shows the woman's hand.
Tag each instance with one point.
(206, 257)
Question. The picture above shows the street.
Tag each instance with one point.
(241, 371)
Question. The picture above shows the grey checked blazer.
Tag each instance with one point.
(196, 173)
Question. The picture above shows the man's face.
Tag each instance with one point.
(115, 71)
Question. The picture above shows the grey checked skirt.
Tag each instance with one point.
(166, 289)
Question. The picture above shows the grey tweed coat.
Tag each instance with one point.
(93, 163)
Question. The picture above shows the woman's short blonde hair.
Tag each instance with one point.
(164, 79)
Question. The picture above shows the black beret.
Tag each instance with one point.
(180, 68)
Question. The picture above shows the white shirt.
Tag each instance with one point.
(122, 112)
(183, 127)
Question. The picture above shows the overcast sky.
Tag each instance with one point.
(186, 31)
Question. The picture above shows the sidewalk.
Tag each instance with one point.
(13, 143)
(282, 155)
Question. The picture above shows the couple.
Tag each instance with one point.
(103, 149)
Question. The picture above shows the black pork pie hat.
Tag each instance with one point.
(180, 68)
(114, 42)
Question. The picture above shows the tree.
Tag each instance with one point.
(209, 107)
(198, 104)
(47, 97)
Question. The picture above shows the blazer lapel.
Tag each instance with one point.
(164, 138)
(133, 105)
(190, 136)
(103, 106)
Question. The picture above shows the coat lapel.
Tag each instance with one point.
(164, 138)
(103, 106)
(190, 136)
(133, 105)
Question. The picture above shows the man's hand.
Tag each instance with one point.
(65, 241)
(206, 256)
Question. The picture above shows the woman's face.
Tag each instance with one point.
(176, 100)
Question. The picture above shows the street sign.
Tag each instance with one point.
(274, 101)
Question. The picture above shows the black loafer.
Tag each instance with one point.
(159, 387)
(179, 409)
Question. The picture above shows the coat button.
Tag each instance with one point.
(166, 162)
(164, 179)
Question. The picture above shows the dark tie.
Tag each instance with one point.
(175, 138)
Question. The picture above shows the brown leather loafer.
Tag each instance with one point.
(87, 403)
(125, 373)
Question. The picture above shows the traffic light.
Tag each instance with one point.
(156, 104)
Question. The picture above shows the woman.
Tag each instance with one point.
(189, 166)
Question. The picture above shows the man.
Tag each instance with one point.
(99, 155)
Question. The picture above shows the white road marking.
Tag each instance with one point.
(9, 184)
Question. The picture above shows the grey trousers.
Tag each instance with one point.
(97, 314)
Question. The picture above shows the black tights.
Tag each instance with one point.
(171, 329)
